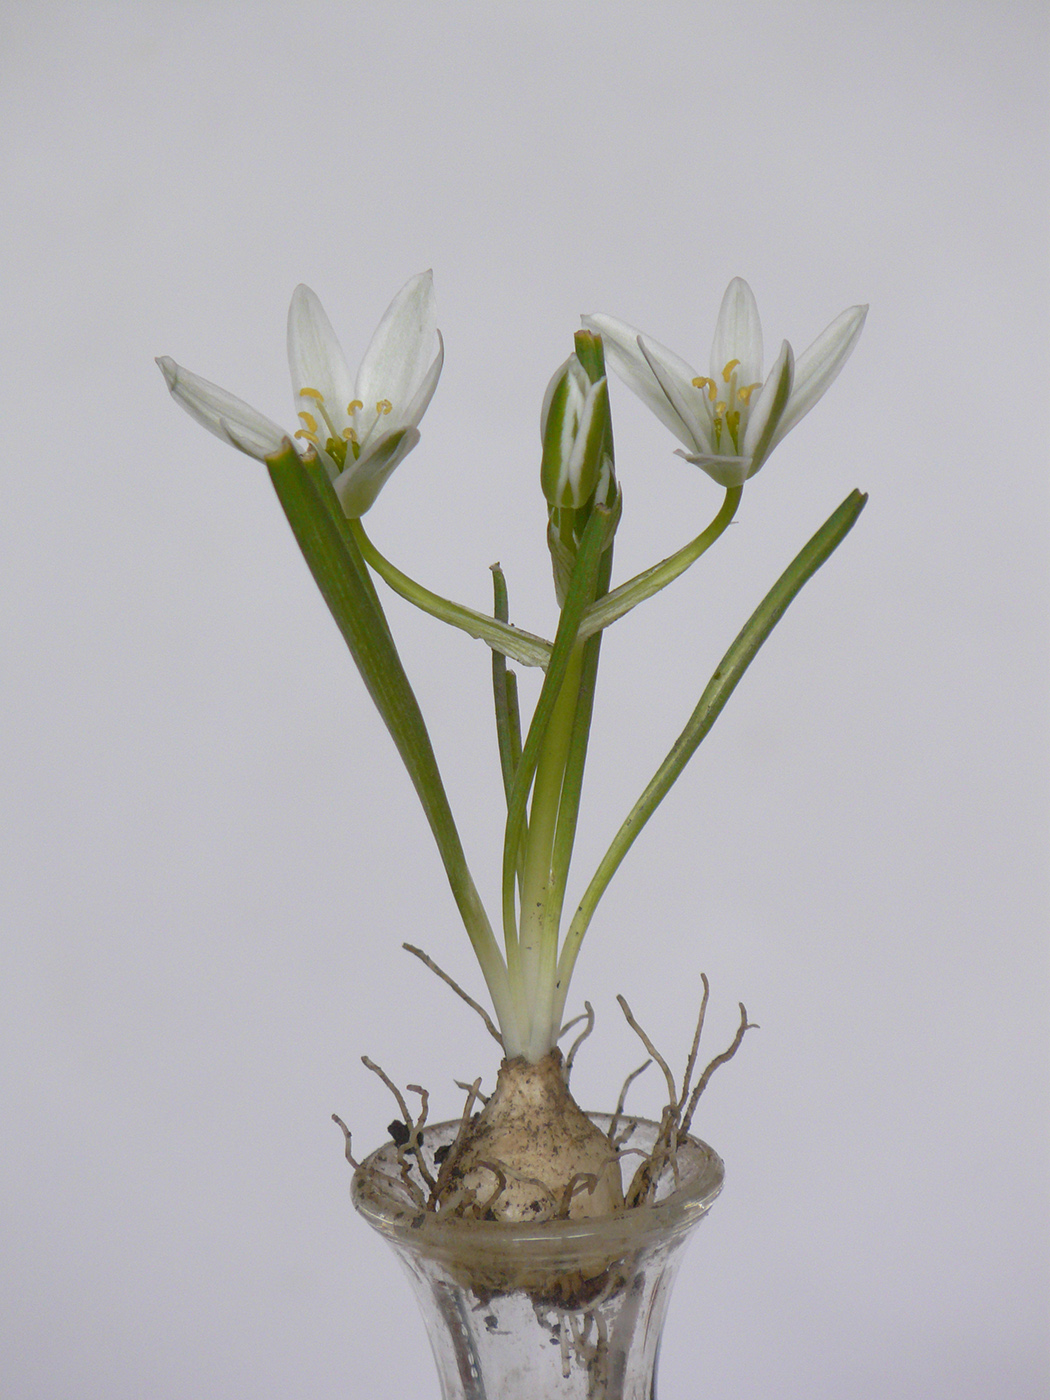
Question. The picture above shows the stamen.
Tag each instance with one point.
(744, 394)
(311, 394)
(709, 384)
(730, 367)
(354, 405)
(720, 408)
(350, 435)
(310, 421)
(384, 406)
(308, 437)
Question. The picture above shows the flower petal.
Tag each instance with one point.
(769, 408)
(727, 471)
(361, 482)
(676, 380)
(402, 351)
(738, 334)
(221, 412)
(624, 354)
(315, 357)
(548, 395)
(417, 406)
(817, 367)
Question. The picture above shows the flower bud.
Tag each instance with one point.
(574, 427)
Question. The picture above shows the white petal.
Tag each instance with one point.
(768, 409)
(738, 334)
(624, 354)
(315, 357)
(548, 395)
(401, 353)
(361, 482)
(221, 412)
(417, 406)
(727, 471)
(818, 366)
(675, 378)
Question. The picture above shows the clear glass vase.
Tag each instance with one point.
(565, 1310)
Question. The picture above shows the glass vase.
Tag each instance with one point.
(564, 1310)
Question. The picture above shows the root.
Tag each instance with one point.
(649, 1046)
(407, 1134)
(346, 1134)
(476, 1006)
(444, 1181)
(449, 1159)
(677, 1116)
(620, 1103)
(588, 1016)
(481, 1098)
(582, 1181)
(701, 1083)
(694, 1049)
(501, 1185)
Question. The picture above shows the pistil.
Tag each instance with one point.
(724, 411)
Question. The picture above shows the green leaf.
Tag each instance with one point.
(341, 574)
(710, 705)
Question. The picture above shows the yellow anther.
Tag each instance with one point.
(704, 383)
(720, 408)
(309, 437)
(730, 367)
(311, 394)
(354, 405)
(310, 421)
(384, 406)
(744, 394)
(349, 434)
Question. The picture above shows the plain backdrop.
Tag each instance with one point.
(210, 856)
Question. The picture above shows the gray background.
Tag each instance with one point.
(210, 854)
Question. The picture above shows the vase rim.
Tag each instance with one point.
(701, 1177)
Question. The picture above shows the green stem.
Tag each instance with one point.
(721, 685)
(580, 591)
(520, 646)
(544, 1026)
(621, 600)
(538, 894)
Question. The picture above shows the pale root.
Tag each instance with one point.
(533, 1154)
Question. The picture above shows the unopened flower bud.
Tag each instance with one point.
(573, 425)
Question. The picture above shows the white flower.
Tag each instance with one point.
(730, 419)
(360, 428)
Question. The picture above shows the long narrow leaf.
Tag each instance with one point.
(342, 577)
(504, 692)
(710, 705)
